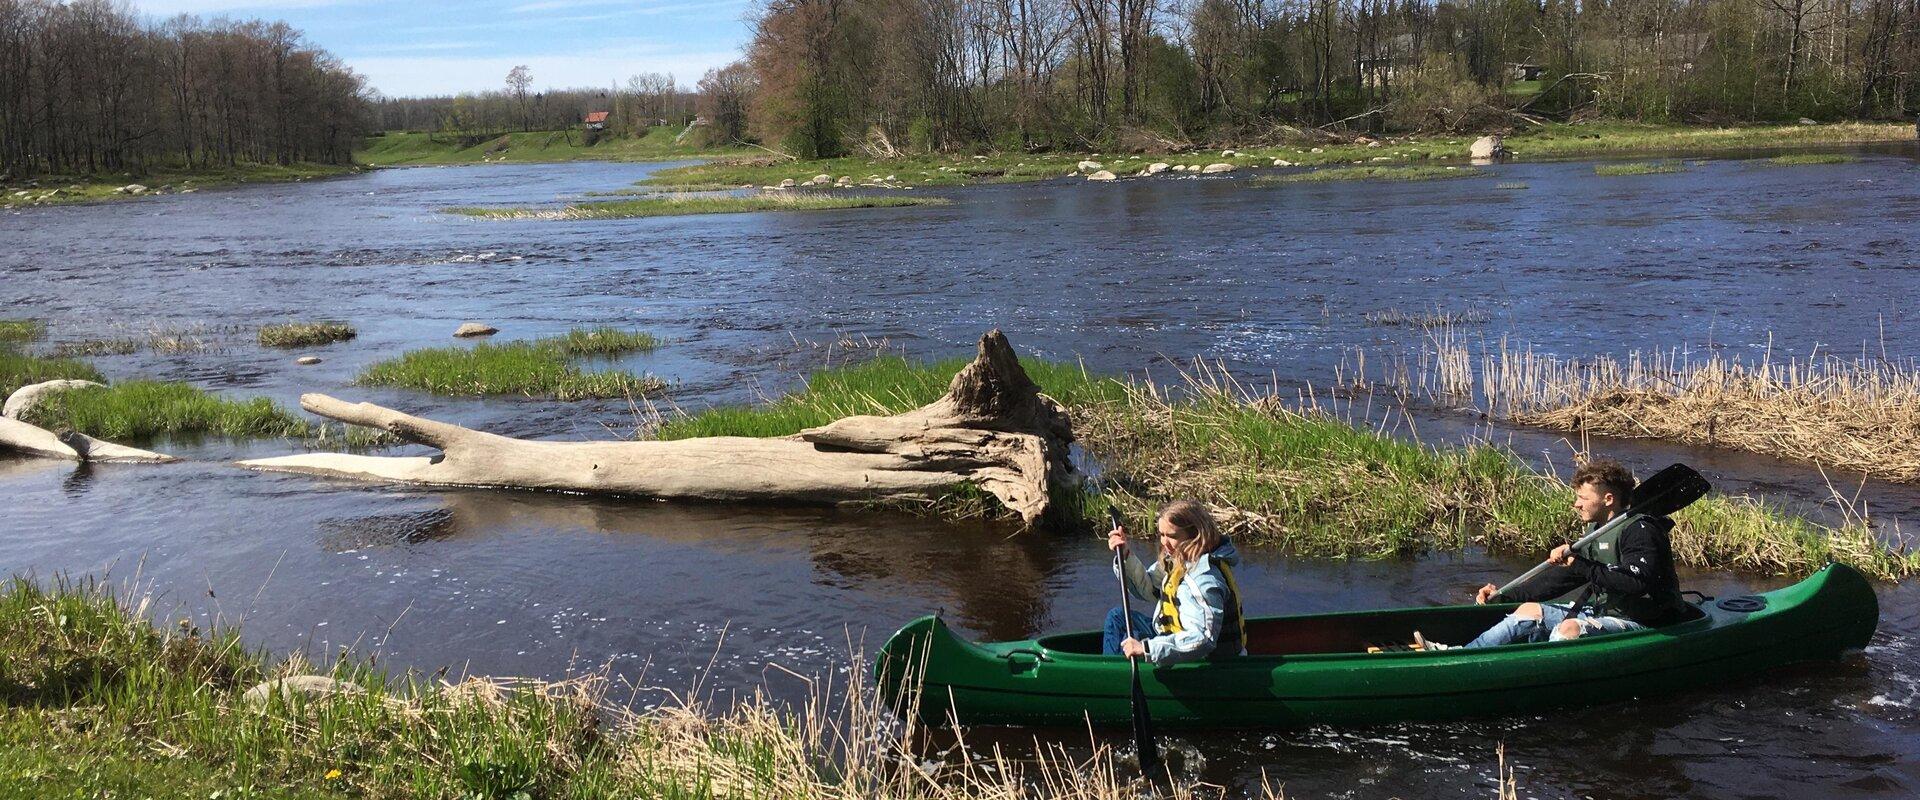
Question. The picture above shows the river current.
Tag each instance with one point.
(1735, 255)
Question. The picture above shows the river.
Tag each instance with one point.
(1137, 276)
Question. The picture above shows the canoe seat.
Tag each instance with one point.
(1354, 633)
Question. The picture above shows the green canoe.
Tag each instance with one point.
(1314, 668)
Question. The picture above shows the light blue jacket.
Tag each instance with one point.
(1203, 604)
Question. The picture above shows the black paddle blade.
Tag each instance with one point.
(1669, 490)
(1143, 740)
(1113, 515)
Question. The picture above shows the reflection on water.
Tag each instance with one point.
(1275, 282)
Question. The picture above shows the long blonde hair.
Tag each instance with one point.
(1198, 533)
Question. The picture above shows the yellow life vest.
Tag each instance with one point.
(1233, 634)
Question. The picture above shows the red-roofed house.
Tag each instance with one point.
(596, 120)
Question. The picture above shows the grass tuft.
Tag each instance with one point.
(305, 334)
(674, 205)
(15, 332)
(96, 347)
(539, 368)
(1638, 168)
(1798, 159)
(21, 369)
(145, 410)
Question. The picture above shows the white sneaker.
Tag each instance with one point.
(1421, 643)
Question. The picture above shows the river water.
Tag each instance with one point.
(1136, 276)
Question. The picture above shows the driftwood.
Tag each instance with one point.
(33, 440)
(993, 430)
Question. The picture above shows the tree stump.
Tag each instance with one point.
(993, 430)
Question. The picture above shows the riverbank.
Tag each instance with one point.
(51, 190)
(1547, 142)
(408, 148)
(1296, 475)
(98, 695)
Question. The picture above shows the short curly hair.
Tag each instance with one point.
(1611, 477)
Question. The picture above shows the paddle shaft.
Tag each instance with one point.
(1149, 751)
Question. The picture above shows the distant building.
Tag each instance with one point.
(595, 120)
(1524, 72)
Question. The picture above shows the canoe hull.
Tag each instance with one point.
(947, 679)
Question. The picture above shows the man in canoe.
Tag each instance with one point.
(1196, 602)
(1626, 577)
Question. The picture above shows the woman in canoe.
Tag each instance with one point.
(1190, 586)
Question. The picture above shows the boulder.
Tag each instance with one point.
(788, 184)
(1486, 147)
(1102, 175)
(1281, 162)
(1373, 142)
(1157, 167)
(468, 330)
(27, 397)
(1087, 166)
(307, 361)
(131, 188)
(1805, 121)
(1229, 153)
(1216, 168)
(1318, 150)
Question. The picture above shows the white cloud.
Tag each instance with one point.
(415, 76)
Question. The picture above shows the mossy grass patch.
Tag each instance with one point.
(539, 368)
(1638, 168)
(1804, 159)
(1422, 172)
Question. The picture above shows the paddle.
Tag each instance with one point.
(1663, 493)
(1142, 719)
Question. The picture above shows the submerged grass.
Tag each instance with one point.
(1797, 159)
(539, 368)
(675, 205)
(1294, 475)
(95, 701)
(15, 332)
(305, 334)
(96, 347)
(1638, 168)
(1372, 173)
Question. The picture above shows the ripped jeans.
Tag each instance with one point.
(1516, 628)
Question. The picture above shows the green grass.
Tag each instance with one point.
(305, 334)
(540, 368)
(63, 189)
(1638, 168)
(1510, 185)
(20, 369)
(602, 342)
(1372, 173)
(15, 332)
(96, 702)
(399, 148)
(1799, 159)
(685, 204)
(146, 410)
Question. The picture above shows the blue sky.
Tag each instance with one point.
(422, 47)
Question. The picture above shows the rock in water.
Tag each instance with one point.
(26, 397)
(1216, 168)
(1102, 175)
(1486, 147)
(469, 330)
(307, 361)
(1085, 166)
(1157, 167)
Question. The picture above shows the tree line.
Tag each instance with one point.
(834, 76)
(643, 101)
(86, 87)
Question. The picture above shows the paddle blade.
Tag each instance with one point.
(1143, 739)
(1669, 490)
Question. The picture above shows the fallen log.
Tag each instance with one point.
(34, 440)
(993, 430)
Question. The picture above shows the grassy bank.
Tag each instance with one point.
(1304, 480)
(538, 368)
(1546, 142)
(97, 702)
(1803, 159)
(147, 410)
(404, 148)
(49, 190)
(671, 205)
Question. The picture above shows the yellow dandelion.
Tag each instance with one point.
(333, 774)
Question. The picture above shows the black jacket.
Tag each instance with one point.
(1642, 587)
